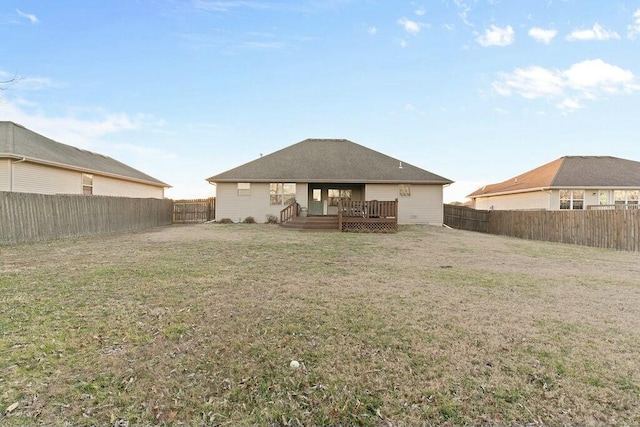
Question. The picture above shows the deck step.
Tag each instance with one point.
(317, 223)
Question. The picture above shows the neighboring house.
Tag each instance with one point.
(317, 173)
(570, 182)
(32, 163)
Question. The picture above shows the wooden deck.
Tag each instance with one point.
(360, 216)
(368, 216)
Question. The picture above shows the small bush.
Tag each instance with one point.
(271, 219)
(249, 220)
(225, 221)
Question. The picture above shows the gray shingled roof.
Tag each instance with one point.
(328, 160)
(571, 171)
(19, 142)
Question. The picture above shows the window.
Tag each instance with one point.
(244, 189)
(404, 190)
(571, 199)
(289, 193)
(275, 193)
(334, 196)
(87, 184)
(282, 193)
(626, 197)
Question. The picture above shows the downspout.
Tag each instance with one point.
(215, 208)
(24, 159)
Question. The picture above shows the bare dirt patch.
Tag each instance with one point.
(199, 324)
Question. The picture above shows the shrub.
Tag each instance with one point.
(271, 219)
(249, 220)
(225, 221)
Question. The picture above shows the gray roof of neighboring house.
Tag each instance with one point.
(571, 171)
(19, 142)
(328, 160)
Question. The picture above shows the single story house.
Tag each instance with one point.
(317, 173)
(32, 163)
(570, 182)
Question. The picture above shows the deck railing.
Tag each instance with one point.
(289, 213)
(368, 208)
(368, 215)
(616, 207)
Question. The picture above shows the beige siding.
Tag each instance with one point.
(521, 201)
(5, 175)
(424, 206)
(105, 186)
(302, 195)
(590, 198)
(34, 178)
(237, 208)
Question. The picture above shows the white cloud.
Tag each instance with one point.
(403, 43)
(30, 16)
(19, 83)
(598, 32)
(634, 29)
(586, 80)
(420, 12)
(541, 35)
(71, 129)
(569, 105)
(410, 26)
(600, 76)
(463, 11)
(532, 82)
(496, 36)
(372, 30)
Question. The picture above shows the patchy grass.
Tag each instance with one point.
(198, 324)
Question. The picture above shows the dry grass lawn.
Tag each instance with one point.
(197, 325)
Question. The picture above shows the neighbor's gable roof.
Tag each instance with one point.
(328, 160)
(19, 142)
(570, 171)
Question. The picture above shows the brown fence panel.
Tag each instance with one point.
(26, 217)
(194, 210)
(465, 218)
(603, 228)
(613, 229)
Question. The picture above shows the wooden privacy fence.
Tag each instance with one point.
(465, 218)
(614, 229)
(194, 210)
(26, 217)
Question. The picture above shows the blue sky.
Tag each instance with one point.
(475, 91)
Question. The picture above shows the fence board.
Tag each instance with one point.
(604, 228)
(465, 218)
(27, 217)
(194, 210)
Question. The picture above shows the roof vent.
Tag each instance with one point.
(400, 166)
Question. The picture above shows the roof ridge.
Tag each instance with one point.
(553, 180)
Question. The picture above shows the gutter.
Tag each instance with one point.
(504, 193)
